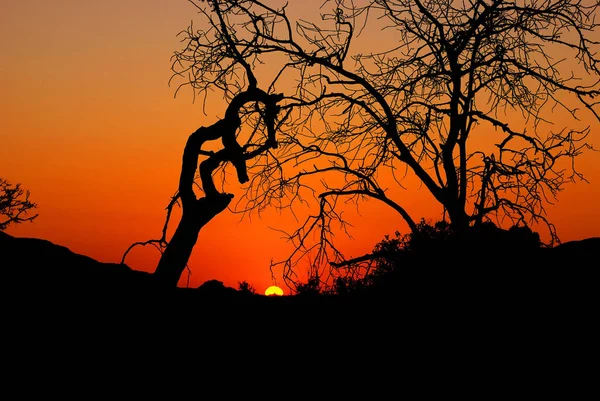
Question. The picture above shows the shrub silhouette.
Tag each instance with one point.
(246, 288)
(434, 253)
(311, 288)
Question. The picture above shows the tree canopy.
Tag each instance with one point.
(460, 95)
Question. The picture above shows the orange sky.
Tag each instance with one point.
(92, 129)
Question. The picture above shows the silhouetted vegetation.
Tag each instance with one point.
(431, 248)
(200, 210)
(14, 205)
(246, 288)
(408, 106)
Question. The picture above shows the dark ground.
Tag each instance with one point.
(75, 326)
(46, 279)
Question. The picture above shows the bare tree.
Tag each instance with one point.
(197, 212)
(441, 73)
(14, 205)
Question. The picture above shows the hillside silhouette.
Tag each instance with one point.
(41, 270)
(69, 307)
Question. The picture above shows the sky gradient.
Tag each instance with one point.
(91, 127)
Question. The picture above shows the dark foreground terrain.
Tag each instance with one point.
(79, 327)
(45, 279)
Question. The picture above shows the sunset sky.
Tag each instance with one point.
(91, 127)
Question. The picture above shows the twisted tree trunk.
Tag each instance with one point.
(175, 257)
(198, 212)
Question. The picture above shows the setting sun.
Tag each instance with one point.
(274, 290)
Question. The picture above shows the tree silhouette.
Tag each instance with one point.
(456, 94)
(197, 212)
(14, 205)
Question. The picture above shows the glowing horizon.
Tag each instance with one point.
(92, 129)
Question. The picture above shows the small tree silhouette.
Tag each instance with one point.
(14, 205)
(246, 288)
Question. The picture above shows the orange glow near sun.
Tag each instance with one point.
(274, 290)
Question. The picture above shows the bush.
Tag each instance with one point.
(435, 251)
